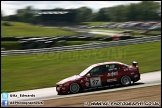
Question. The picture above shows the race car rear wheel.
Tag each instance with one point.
(74, 88)
(125, 80)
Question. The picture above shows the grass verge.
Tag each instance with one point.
(27, 30)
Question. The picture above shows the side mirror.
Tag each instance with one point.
(88, 75)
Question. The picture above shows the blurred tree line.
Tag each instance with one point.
(143, 11)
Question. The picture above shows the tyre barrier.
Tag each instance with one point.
(47, 42)
(82, 47)
(10, 38)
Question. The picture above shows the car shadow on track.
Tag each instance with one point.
(113, 86)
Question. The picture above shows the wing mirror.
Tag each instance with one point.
(88, 75)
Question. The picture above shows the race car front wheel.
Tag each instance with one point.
(74, 88)
(125, 80)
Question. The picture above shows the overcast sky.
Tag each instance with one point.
(10, 7)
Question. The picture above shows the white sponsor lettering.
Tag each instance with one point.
(111, 80)
(112, 74)
(126, 69)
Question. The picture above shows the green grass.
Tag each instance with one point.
(154, 32)
(26, 30)
(44, 70)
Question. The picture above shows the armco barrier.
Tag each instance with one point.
(82, 47)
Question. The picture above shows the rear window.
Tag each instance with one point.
(125, 65)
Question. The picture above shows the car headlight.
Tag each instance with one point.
(58, 88)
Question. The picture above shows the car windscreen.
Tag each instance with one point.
(85, 71)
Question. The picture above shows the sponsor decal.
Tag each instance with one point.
(87, 84)
(133, 69)
(132, 72)
(111, 80)
(86, 79)
(81, 81)
(126, 69)
(112, 74)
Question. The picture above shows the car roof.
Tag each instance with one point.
(104, 63)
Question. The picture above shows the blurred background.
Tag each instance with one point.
(39, 39)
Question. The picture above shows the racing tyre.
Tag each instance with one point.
(125, 80)
(74, 88)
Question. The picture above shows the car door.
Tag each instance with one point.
(112, 72)
(97, 76)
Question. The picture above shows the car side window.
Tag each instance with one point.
(98, 70)
(112, 67)
(95, 71)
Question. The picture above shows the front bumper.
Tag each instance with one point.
(62, 89)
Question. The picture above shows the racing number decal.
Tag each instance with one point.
(95, 81)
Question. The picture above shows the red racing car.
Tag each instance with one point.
(100, 75)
